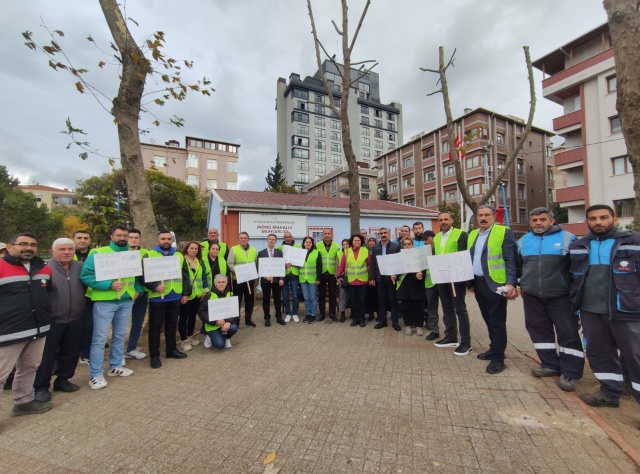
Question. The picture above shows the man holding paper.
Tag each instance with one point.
(242, 254)
(270, 284)
(386, 287)
(165, 298)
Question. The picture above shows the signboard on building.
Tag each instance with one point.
(261, 225)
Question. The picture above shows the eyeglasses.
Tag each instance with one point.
(407, 244)
(24, 245)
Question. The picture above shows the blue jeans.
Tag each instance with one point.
(218, 339)
(106, 314)
(138, 313)
(290, 288)
(310, 292)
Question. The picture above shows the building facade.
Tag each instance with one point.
(309, 135)
(336, 184)
(421, 173)
(205, 163)
(50, 196)
(581, 76)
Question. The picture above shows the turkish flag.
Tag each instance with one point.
(457, 143)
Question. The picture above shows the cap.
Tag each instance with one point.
(428, 233)
(3, 246)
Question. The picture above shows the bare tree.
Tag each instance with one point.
(624, 27)
(345, 72)
(451, 132)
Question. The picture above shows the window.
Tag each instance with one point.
(39, 197)
(429, 176)
(377, 123)
(337, 167)
(390, 116)
(378, 153)
(336, 146)
(301, 105)
(364, 110)
(321, 145)
(232, 166)
(549, 153)
(321, 156)
(472, 162)
(233, 149)
(336, 159)
(408, 182)
(377, 133)
(522, 218)
(303, 166)
(616, 125)
(379, 145)
(319, 109)
(621, 165)
(520, 167)
(222, 147)
(301, 94)
(334, 186)
(192, 161)
(320, 132)
(336, 125)
(430, 199)
(391, 127)
(364, 120)
(449, 170)
(377, 113)
(303, 178)
(337, 102)
(393, 167)
(195, 143)
(299, 141)
(550, 174)
(521, 191)
(212, 183)
(366, 141)
(302, 129)
(392, 137)
(624, 207)
(159, 161)
(451, 195)
(408, 161)
(500, 138)
(366, 152)
(501, 163)
(445, 146)
(299, 117)
(428, 153)
(474, 189)
(612, 84)
(320, 98)
(336, 136)
(320, 121)
(364, 183)
(192, 180)
(410, 202)
(300, 153)
(232, 185)
(380, 173)
(393, 187)
(212, 164)
(321, 168)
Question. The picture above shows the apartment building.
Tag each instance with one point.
(309, 134)
(205, 163)
(50, 196)
(421, 173)
(581, 77)
(336, 184)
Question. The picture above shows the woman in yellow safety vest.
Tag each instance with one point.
(218, 331)
(410, 294)
(199, 286)
(355, 268)
(344, 295)
(310, 279)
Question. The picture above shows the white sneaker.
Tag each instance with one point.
(135, 354)
(407, 331)
(419, 332)
(207, 342)
(227, 343)
(296, 319)
(124, 362)
(186, 346)
(84, 361)
(287, 318)
(97, 382)
(121, 371)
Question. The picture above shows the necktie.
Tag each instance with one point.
(270, 253)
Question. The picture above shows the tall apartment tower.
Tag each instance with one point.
(581, 76)
(310, 135)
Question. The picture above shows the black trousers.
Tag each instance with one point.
(372, 300)
(241, 290)
(454, 312)
(387, 300)
(326, 279)
(494, 312)
(357, 300)
(159, 314)
(187, 318)
(432, 304)
(62, 343)
(87, 330)
(271, 288)
(412, 312)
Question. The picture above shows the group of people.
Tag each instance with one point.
(57, 314)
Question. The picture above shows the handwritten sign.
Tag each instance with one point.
(294, 255)
(271, 267)
(223, 308)
(115, 265)
(390, 264)
(161, 269)
(415, 259)
(246, 272)
(451, 267)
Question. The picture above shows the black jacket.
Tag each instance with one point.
(264, 253)
(374, 272)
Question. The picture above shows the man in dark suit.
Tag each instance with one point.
(386, 288)
(271, 285)
(494, 256)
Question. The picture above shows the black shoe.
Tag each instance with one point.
(31, 408)
(380, 326)
(155, 362)
(320, 318)
(306, 319)
(396, 327)
(354, 322)
(342, 318)
(267, 323)
(446, 342)
(484, 355)
(176, 354)
(363, 323)
(496, 366)
(432, 336)
(65, 386)
(333, 318)
(281, 321)
(312, 319)
(250, 323)
(371, 317)
(42, 395)
(599, 399)
(463, 349)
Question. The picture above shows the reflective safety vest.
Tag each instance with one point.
(175, 284)
(205, 247)
(111, 295)
(197, 283)
(222, 263)
(212, 327)
(328, 258)
(292, 270)
(450, 246)
(357, 269)
(241, 256)
(308, 272)
(495, 259)
(427, 279)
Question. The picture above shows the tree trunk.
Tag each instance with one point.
(126, 113)
(624, 27)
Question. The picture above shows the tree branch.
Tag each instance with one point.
(355, 35)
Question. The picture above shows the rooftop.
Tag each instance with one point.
(42, 187)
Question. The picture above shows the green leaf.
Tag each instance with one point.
(101, 64)
(84, 155)
(80, 87)
(89, 38)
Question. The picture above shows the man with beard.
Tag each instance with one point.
(82, 241)
(605, 288)
(418, 229)
(328, 250)
(242, 254)
(112, 303)
(213, 238)
(139, 310)
(165, 298)
(24, 320)
(386, 287)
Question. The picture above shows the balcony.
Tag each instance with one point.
(572, 193)
(574, 118)
(572, 156)
(576, 68)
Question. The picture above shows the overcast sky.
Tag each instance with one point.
(244, 46)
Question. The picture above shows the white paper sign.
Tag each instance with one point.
(294, 255)
(246, 272)
(390, 264)
(161, 269)
(414, 260)
(451, 267)
(271, 267)
(114, 265)
(223, 308)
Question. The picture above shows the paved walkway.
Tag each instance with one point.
(327, 398)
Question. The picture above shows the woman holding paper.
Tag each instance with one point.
(199, 286)
(218, 332)
(354, 266)
(410, 294)
(310, 279)
(344, 295)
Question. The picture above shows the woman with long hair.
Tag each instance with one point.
(310, 279)
(354, 267)
(344, 294)
(199, 286)
(410, 294)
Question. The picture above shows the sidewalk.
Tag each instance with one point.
(327, 398)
